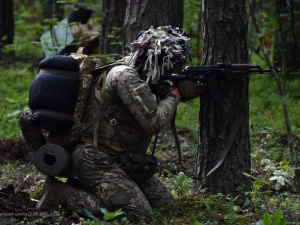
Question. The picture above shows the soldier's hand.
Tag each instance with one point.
(163, 88)
(189, 90)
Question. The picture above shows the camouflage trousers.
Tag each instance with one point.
(106, 185)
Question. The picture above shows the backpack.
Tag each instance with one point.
(59, 97)
(59, 94)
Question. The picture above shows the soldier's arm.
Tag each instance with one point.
(142, 103)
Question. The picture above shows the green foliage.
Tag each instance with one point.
(196, 222)
(192, 25)
(261, 192)
(14, 90)
(264, 198)
(191, 19)
(27, 31)
(182, 185)
(232, 217)
(116, 35)
(270, 158)
(276, 221)
(109, 57)
(187, 116)
(110, 215)
(107, 216)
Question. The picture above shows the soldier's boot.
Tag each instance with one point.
(71, 195)
(55, 193)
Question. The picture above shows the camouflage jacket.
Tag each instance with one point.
(139, 115)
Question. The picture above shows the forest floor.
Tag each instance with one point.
(21, 188)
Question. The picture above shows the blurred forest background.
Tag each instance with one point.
(23, 22)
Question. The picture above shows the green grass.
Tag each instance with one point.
(265, 104)
(14, 86)
(187, 116)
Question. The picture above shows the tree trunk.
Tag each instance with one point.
(7, 24)
(113, 13)
(224, 29)
(287, 45)
(52, 9)
(140, 15)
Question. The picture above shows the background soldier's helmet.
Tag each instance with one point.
(158, 49)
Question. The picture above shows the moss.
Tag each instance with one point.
(38, 192)
(188, 209)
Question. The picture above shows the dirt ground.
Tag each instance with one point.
(13, 149)
(15, 198)
(11, 200)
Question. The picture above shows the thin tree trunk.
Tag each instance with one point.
(7, 25)
(113, 13)
(52, 10)
(287, 36)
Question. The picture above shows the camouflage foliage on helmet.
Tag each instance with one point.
(155, 50)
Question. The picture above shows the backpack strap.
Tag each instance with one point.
(108, 115)
(110, 109)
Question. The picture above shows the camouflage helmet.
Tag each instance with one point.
(158, 49)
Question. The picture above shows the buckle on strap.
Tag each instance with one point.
(112, 109)
(113, 122)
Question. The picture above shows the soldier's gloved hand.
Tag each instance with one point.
(164, 87)
(189, 90)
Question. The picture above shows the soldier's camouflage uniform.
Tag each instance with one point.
(139, 116)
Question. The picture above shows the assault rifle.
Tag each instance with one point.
(209, 75)
(203, 73)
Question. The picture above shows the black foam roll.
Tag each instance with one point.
(60, 62)
(54, 91)
(53, 160)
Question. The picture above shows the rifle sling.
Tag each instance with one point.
(175, 134)
(230, 139)
(216, 92)
(225, 151)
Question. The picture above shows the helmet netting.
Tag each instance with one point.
(158, 49)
